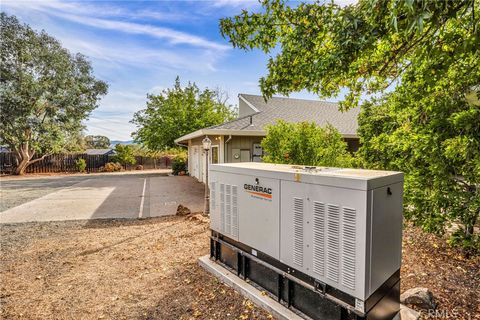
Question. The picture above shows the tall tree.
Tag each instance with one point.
(414, 65)
(45, 92)
(178, 111)
(97, 142)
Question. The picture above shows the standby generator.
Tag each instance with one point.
(325, 241)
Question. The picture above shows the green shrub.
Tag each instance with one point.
(125, 154)
(179, 164)
(81, 164)
(305, 143)
(112, 166)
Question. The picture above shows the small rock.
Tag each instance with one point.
(198, 217)
(420, 297)
(183, 211)
(408, 314)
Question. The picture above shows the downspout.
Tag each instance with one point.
(225, 155)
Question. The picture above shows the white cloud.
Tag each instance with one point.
(83, 15)
(117, 54)
(236, 3)
(98, 9)
(115, 128)
(173, 36)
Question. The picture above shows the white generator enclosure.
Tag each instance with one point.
(342, 227)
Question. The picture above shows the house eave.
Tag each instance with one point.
(225, 132)
(220, 132)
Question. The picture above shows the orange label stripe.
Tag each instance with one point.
(269, 196)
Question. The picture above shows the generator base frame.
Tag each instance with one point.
(299, 291)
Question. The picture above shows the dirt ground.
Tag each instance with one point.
(147, 269)
(143, 269)
(454, 280)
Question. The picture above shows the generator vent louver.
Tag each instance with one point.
(298, 231)
(213, 199)
(319, 238)
(222, 207)
(348, 247)
(235, 211)
(333, 242)
(228, 208)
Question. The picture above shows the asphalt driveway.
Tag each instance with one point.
(82, 197)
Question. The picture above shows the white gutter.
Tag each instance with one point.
(224, 132)
(233, 132)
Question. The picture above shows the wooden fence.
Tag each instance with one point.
(66, 163)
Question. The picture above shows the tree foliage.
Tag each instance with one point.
(178, 111)
(97, 142)
(359, 48)
(305, 144)
(429, 129)
(414, 66)
(124, 154)
(45, 92)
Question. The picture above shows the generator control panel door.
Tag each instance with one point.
(246, 209)
(259, 214)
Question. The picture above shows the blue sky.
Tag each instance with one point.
(139, 47)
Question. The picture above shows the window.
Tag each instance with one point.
(214, 154)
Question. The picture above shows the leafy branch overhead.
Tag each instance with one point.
(363, 48)
(413, 66)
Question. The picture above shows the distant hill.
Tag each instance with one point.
(113, 143)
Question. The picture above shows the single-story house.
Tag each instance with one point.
(100, 152)
(239, 140)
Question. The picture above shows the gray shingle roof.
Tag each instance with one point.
(294, 110)
(96, 152)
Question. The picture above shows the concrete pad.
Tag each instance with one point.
(74, 203)
(272, 306)
(101, 197)
(165, 194)
(275, 308)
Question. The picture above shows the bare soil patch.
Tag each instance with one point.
(143, 269)
(147, 269)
